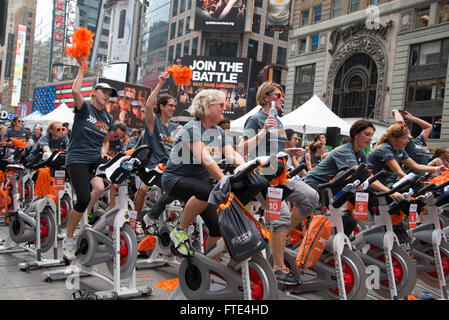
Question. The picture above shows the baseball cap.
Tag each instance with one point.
(104, 85)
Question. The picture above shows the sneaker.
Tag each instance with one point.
(181, 242)
(285, 276)
(150, 225)
(69, 251)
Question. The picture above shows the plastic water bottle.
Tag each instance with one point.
(406, 197)
(347, 188)
(273, 130)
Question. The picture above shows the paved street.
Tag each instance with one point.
(29, 285)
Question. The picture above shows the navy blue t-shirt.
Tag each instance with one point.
(90, 127)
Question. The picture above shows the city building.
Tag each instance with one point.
(364, 58)
(52, 36)
(177, 31)
(18, 67)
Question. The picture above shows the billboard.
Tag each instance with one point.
(129, 105)
(9, 52)
(120, 46)
(220, 16)
(18, 67)
(235, 76)
(278, 14)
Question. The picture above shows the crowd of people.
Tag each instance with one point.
(194, 150)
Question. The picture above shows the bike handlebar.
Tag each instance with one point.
(405, 181)
(330, 184)
(45, 162)
(297, 170)
(242, 174)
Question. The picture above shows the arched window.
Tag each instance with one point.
(355, 86)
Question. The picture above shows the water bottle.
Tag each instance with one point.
(128, 165)
(347, 188)
(396, 207)
(273, 130)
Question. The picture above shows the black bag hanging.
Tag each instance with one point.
(243, 235)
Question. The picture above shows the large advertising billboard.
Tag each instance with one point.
(220, 16)
(278, 14)
(18, 67)
(122, 31)
(235, 76)
(129, 105)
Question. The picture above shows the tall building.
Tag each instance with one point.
(365, 58)
(6, 53)
(152, 41)
(179, 31)
(24, 12)
(52, 36)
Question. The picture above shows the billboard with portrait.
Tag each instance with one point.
(122, 31)
(235, 76)
(278, 14)
(128, 106)
(220, 15)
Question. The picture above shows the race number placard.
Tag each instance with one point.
(273, 205)
(361, 206)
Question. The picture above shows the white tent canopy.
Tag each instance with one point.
(381, 128)
(32, 119)
(61, 114)
(237, 125)
(314, 117)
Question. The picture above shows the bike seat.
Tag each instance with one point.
(15, 167)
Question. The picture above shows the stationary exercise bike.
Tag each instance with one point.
(429, 245)
(339, 273)
(203, 278)
(33, 229)
(379, 246)
(111, 239)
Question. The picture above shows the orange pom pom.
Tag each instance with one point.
(18, 143)
(43, 183)
(81, 45)
(181, 74)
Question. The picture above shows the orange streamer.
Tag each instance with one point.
(181, 74)
(167, 285)
(81, 46)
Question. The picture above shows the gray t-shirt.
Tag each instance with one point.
(416, 149)
(385, 152)
(253, 125)
(90, 127)
(21, 135)
(337, 160)
(54, 145)
(182, 163)
(161, 140)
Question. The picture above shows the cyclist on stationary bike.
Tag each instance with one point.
(198, 146)
(88, 145)
(158, 134)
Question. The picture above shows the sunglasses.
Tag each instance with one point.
(19, 121)
(279, 95)
(60, 129)
(220, 103)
